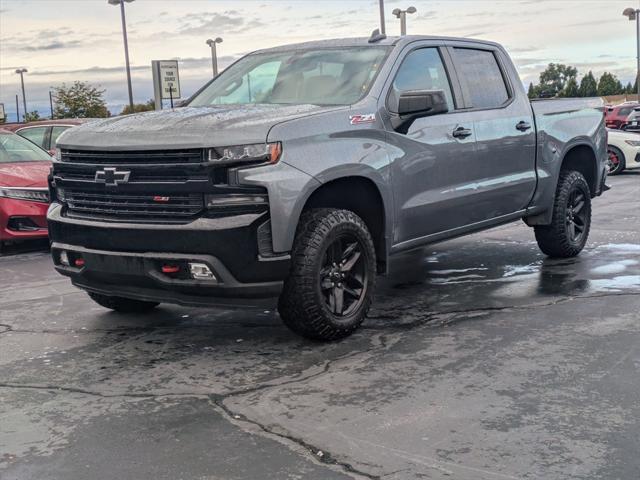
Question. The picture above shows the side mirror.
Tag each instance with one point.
(415, 104)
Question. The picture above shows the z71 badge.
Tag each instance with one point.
(360, 119)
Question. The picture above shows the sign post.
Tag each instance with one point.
(166, 81)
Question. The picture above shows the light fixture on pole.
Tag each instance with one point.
(126, 45)
(634, 14)
(214, 54)
(402, 15)
(21, 72)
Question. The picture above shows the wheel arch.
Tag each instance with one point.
(362, 196)
(582, 158)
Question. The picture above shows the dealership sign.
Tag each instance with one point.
(166, 81)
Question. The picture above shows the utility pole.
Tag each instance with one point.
(17, 110)
(51, 103)
(21, 72)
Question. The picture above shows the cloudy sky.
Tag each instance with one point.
(65, 40)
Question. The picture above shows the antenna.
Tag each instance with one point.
(376, 36)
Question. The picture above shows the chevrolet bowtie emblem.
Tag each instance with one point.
(112, 177)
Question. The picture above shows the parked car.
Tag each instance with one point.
(24, 196)
(633, 121)
(616, 117)
(44, 133)
(301, 184)
(624, 151)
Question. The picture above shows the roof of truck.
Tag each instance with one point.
(364, 42)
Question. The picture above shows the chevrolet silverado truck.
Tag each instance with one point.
(300, 170)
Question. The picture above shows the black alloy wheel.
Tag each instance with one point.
(344, 275)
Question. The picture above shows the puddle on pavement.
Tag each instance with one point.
(519, 270)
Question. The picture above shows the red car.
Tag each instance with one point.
(616, 117)
(44, 133)
(24, 197)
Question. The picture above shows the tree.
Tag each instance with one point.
(81, 100)
(31, 116)
(588, 86)
(533, 92)
(571, 89)
(554, 78)
(139, 107)
(609, 85)
(628, 88)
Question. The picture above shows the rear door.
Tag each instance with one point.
(504, 129)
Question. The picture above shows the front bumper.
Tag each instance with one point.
(22, 220)
(125, 259)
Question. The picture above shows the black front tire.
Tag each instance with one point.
(122, 305)
(568, 232)
(333, 266)
(616, 161)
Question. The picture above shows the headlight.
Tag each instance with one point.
(58, 154)
(633, 143)
(265, 152)
(30, 194)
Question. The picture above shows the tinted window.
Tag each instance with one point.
(14, 148)
(481, 77)
(421, 70)
(623, 112)
(36, 134)
(55, 133)
(320, 77)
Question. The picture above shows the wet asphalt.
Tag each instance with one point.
(481, 359)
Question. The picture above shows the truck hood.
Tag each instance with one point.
(24, 174)
(188, 127)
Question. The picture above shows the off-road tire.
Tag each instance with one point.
(622, 165)
(122, 305)
(555, 240)
(302, 304)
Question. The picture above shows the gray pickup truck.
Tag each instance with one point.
(300, 170)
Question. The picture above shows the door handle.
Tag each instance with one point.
(523, 126)
(461, 132)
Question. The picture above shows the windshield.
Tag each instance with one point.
(320, 77)
(14, 148)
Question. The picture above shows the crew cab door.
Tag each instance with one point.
(504, 128)
(435, 159)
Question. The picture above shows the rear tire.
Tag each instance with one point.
(330, 286)
(569, 229)
(616, 161)
(122, 305)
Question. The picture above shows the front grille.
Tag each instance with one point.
(122, 206)
(194, 155)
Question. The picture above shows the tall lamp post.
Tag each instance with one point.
(214, 54)
(21, 72)
(126, 45)
(634, 14)
(402, 15)
(382, 22)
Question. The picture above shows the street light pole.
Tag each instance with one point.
(382, 23)
(21, 72)
(214, 54)
(402, 15)
(126, 46)
(634, 14)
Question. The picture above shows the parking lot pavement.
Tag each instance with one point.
(481, 359)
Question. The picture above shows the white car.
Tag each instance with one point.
(623, 150)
